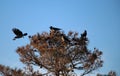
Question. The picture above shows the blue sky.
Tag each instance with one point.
(101, 18)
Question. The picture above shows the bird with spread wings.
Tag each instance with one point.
(18, 33)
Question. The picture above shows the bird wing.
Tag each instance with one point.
(17, 31)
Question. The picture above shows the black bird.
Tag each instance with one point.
(65, 38)
(54, 28)
(84, 34)
(18, 33)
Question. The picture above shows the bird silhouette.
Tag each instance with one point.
(54, 28)
(84, 34)
(18, 33)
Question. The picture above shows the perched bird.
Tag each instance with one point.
(54, 28)
(65, 38)
(84, 34)
(18, 33)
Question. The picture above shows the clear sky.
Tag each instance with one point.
(101, 18)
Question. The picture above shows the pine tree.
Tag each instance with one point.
(59, 53)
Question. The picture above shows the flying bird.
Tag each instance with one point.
(54, 28)
(18, 33)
